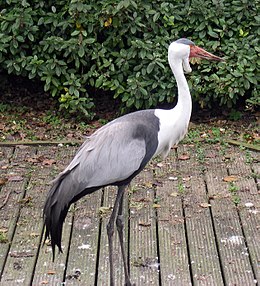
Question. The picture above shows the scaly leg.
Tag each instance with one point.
(120, 227)
(110, 231)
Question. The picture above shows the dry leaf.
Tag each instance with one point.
(34, 234)
(156, 206)
(145, 224)
(3, 181)
(160, 165)
(184, 157)
(4, 167)
(104, 210)
(44, 282)
(173, 178)
(32, 160)
(174, 194)
(205, 205)
(148, 185)
(231, 178)
(48, 162)
(51, 272)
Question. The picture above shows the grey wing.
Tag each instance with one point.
(110, 155)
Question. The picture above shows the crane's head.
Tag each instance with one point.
(185, 49)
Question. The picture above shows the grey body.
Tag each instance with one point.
(113, 155)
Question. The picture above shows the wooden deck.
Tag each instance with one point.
(193, 219)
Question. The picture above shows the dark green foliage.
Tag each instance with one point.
(121, 46)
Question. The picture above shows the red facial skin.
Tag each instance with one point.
(197, 52)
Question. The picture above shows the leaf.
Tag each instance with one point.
(174, 194)
(145, 224)
(75, 33)
(156, 206)
(184, 157)
(231, 178)
(104, 210)
(205, 205)
(81, 51)
(156, 16)
(89, 41)
(150, 67)
(51, 272)
(3, 181)
(108, 22)
(48, 162)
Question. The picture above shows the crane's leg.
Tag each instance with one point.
(110, 231)
(120, 227)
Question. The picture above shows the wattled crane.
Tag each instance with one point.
(119, 150)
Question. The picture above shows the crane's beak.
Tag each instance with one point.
(197, 52)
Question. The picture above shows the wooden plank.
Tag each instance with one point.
(26, 241)
(144, 264)
(9, 216)
(205, 265)
(47, 271)
(6, 154)
(202, 244)
(249, 206)
(235, 262)
(103, 268)
(81, 265)
(174, 262)
(13, 193)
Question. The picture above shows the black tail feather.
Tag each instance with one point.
(62, 194)
(54, 213)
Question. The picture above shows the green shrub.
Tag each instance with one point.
(121, 46)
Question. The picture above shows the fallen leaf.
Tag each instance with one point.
(156, 206)
(148, 185)
(184, 157)
(44, 282)
(3, 181)
(48, 162)
(211, 155)
(32, 160)
(104, 210)
(249, 205)
(34, 234)
(51, 272)
(205, 205)
(231, 178)
(145, 224)
(174, 194)
(5, 167)
(159, 165)
(173, 178)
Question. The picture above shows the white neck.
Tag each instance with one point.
(184, 98)
(174, 122)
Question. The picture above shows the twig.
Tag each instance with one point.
(246, 145)
(6, 199)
